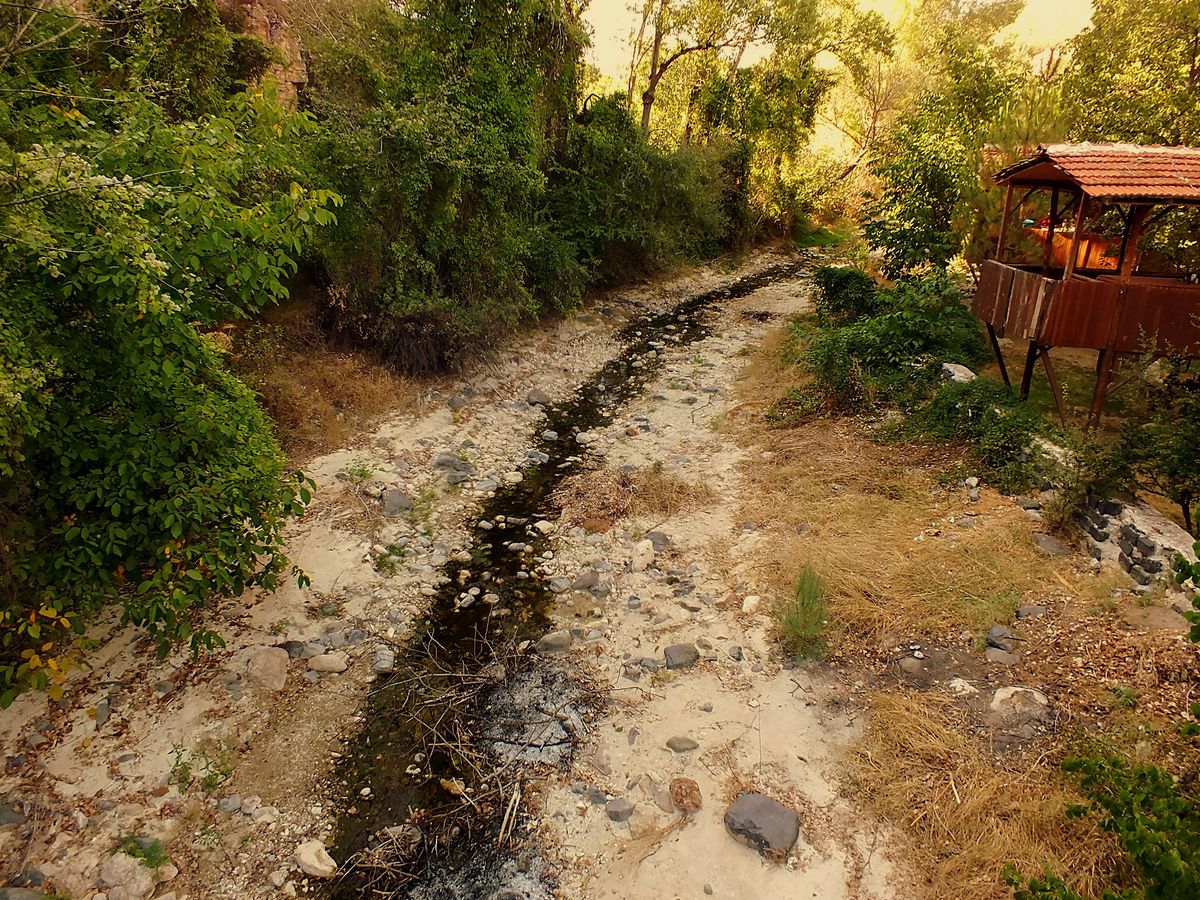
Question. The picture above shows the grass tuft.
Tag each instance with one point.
(801, 617)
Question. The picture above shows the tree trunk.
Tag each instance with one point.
(655, 75)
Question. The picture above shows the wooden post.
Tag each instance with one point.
(1047, 248)
(1002, 244)
(1134, 223)
(1054, 389)
(1031, 356)
(1080, 213)
(1133, 236)
(1104, 370)
(991, 330)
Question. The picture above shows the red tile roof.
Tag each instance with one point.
(1114, 171)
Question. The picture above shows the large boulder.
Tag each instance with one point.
(762, 823)
(125, 878)
(266, 668)
(314, 860)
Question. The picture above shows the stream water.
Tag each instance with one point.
(457, 639)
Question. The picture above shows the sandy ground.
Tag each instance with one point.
(109, 760)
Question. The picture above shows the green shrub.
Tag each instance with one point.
(895, 356)
(801, 617)
(1156, 820)
(134, 468)
(845, 295)
(1159, 453)
(998, 426)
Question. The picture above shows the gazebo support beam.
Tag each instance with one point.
(1080, 214)
(1031, 357)
(991, 330)
(1054, 389)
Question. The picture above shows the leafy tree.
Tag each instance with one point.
(1135, 73)
(133, 466)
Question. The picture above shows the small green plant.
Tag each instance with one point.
(279, 626)
(150, 851)
(389, 563)
(1124, 696)
(209, 837)
(1188, 573)
(796, 407)
(360, 470)
(845, 295)
(214, 764)
(181, 768)
(801, 617)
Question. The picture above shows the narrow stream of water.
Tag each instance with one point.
(453, 640)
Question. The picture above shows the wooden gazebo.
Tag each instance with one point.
(1091, 292)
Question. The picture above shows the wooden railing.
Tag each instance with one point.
(1097, 313)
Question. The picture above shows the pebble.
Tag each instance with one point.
(314, 860)
(329, 662)
(554, 642)
(620, 809)
(681, 743)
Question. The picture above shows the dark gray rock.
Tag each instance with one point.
(586, 580)
(762, 823)
(620, 809)
(1051, 545)
(658, 539)
(1001, 638)
(396, 503)
(10, 814)
(1029, 503)
(1111, 507)
(681, 656)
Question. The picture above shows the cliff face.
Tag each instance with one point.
(269, 25)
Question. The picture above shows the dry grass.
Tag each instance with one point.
(596, 500)
(319, 397)
(878, 526)
(968, 813)
(894, 563)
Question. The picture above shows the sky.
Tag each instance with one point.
(1043, 23)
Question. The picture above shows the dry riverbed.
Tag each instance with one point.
(711, 765)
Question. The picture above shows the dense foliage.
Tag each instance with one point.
(1157, 451)
(153, 190)
(133, 466)
(894, 352)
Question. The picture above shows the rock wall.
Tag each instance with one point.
(269, 25)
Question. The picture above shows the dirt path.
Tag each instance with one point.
(234, 761)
